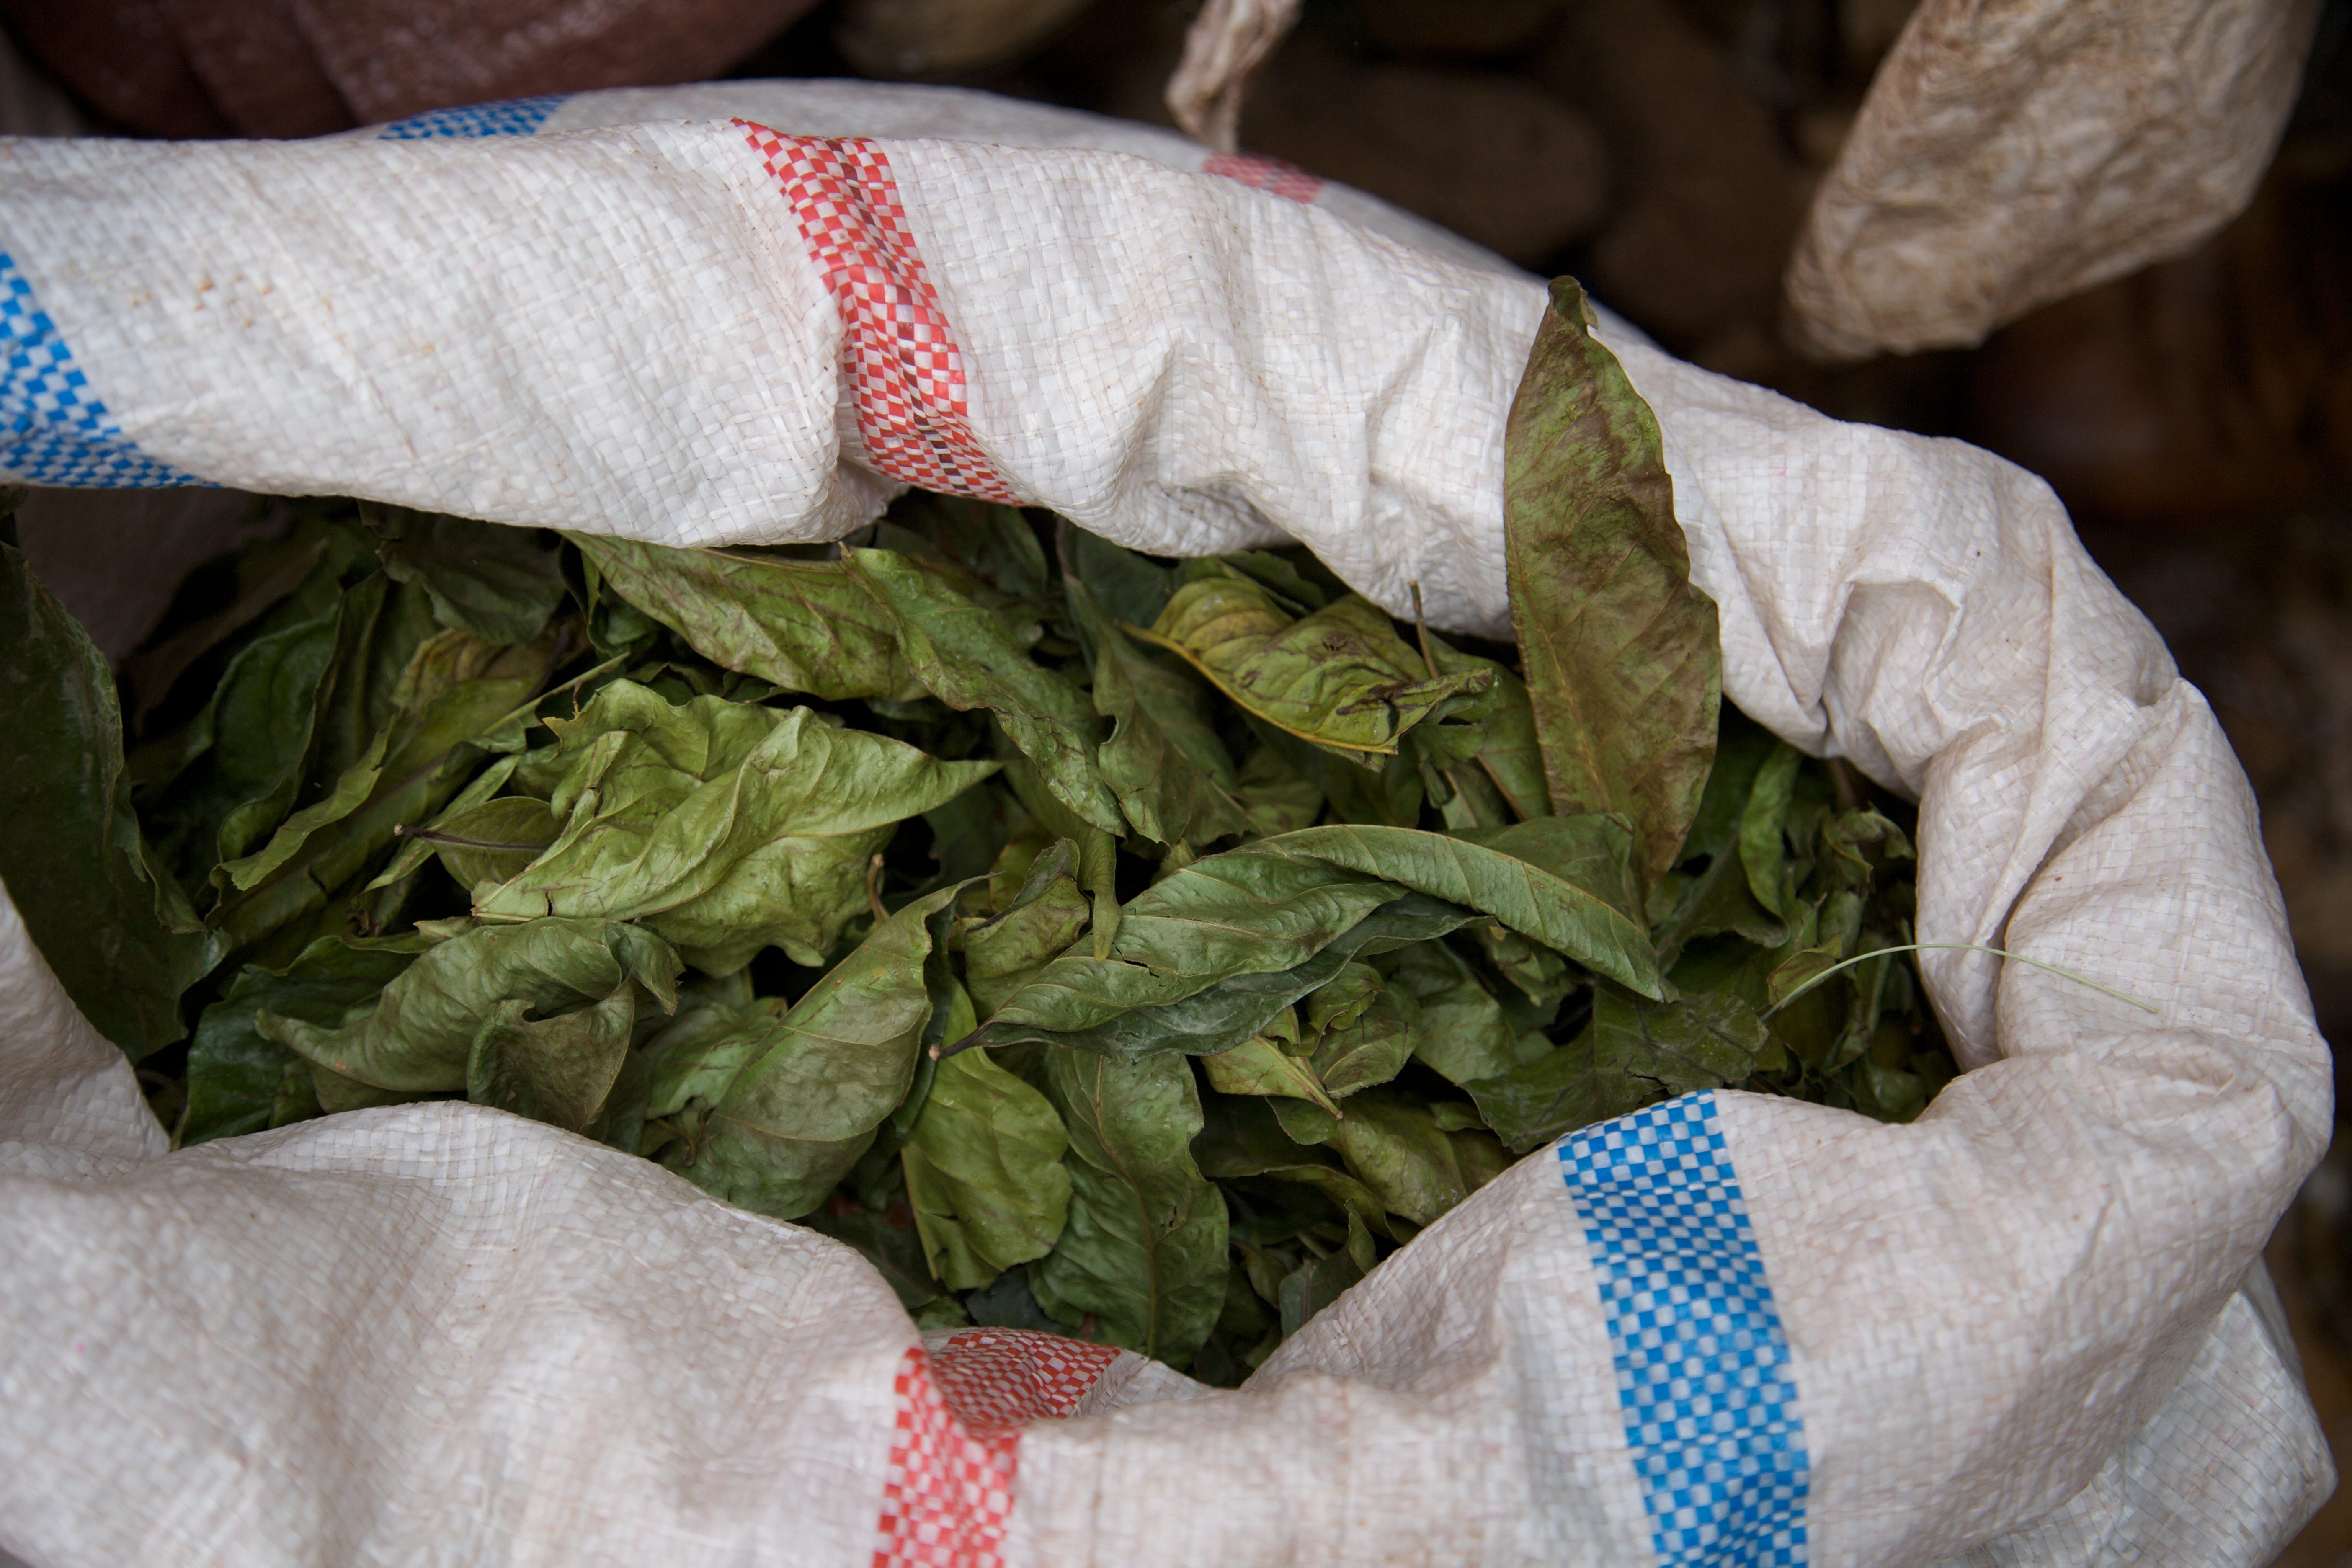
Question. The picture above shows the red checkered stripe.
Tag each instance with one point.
(956, 1450)
(900, 356)
(1004, 1377)
(1270, 175)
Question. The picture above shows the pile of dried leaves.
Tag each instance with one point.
(1132, 948)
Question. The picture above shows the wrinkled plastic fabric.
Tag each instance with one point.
(2030, 1328)
(2010, 155)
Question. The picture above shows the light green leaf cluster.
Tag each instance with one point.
(723, 826)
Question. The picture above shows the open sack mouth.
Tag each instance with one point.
(1286, 891)
(961, 888)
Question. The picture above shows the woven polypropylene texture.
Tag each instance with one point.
(949, 1490)
(906, 374)
(57, 431)
(1262, 173)
(904, 113)
(1711, 1415)
(512, 117)
(2028, 1328)
(955, 1450)
(1005, 1378)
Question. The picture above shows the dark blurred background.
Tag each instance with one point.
(2196, 416)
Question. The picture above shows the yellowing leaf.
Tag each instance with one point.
(1339, 677)
(1259, 1066)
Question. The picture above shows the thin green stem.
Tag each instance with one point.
(514, 713)
(1420, 628)
(1963, 947)
(452, 840)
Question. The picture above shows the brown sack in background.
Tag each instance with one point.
(2012, 153)
(302, 67)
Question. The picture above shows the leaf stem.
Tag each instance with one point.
(1421, 629)
(400, 830)
(1963, 947)
(514, 713)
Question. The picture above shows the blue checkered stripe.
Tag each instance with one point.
(1702, 1365)
(511, 116)
(53, 428)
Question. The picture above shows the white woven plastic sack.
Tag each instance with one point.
(2029, 1329)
